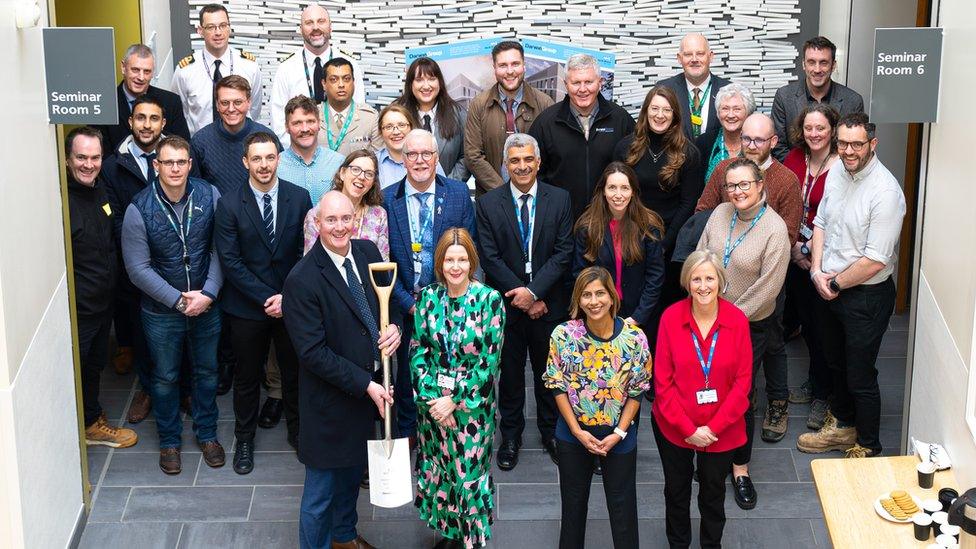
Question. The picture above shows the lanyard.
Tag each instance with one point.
(308, 77)
(417, 233)
(203, 55)
(808, 183)
(334, 144)
(182, 229)
(701, 101)
(705, 366)
(526, 235)
(729, 245)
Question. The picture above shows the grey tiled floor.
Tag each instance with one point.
(137, 505)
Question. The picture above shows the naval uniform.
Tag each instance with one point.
(194, 82)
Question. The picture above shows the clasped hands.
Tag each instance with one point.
(702, 437)
(593, 445)
(442, 411)
(523, 299)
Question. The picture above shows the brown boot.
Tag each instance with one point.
(213, 453)
(776, 421)
(101, 433)
(830, 437)
(169, 461)
(140, 407)
(122, 361)
(358, 543)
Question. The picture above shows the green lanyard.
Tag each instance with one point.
(334, 144)
(696, 119)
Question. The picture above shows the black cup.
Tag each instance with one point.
(946, 495)
(926, 474)
(923, 526)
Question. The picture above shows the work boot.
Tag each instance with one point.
(802, 394)
(122, 361)
(775, 421)
(140, 407)
(101, 433)
(818, 414)
(829, 437)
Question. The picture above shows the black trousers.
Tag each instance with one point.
(853, 325)
(525, 336)
(251, 341)
(679, 465)
(619, 486)
(801, 292)
(769, 352)
(93, 338)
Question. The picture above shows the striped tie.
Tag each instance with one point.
(269, 220)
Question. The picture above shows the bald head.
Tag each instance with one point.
(758, 137)
(335, 221)
(316, 28)
(695, 57)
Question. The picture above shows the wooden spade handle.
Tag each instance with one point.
(383, 294)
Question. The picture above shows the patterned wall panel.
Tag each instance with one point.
(753, 40)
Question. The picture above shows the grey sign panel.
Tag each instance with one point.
(905, 77)
(79, 64)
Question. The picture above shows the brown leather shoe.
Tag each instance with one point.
(122, 361)
(358, 543)
(169, 461)
(140, 407)
(213, 453)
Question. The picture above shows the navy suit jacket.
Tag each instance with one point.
(500, 248)
(335, 356)
(255, 270)
(452, 208)
(172, 111)
(640, 282)
(710, 132)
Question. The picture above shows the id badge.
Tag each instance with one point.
(806, 232)
(707, 396)
(696, 120)
(445, 382)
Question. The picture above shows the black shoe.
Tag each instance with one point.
(744, 492)
(597, 468)
(551, 448)
(270, 413)
(243, 457)
(508, 455)
(225, 378)
(364, 482)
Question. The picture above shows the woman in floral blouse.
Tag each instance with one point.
(357, 179)
(454, 358)
(599, 366)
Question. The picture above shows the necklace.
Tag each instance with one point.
(655, 156)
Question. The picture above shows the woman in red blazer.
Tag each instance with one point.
(702, 380)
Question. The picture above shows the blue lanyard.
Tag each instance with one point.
(705, 366)
(526, 235)
(729, 245)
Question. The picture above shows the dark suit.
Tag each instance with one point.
(500, 247)
(709, 133)
(172, 112)
(254, 271)
(452, 208)
(792, 98)
(335, 358)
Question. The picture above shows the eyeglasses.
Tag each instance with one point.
(356, 171)
(212, 28)
(413, 155)
(237, 103)
(856, 145)
(182, 163)
(744, 185)
(756, 141)
(659, 110)
(399, 126)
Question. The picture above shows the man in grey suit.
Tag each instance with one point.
(819, 60)
(696, 88)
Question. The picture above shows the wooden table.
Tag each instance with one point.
(848, 488)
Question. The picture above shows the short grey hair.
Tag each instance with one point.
(731, 90)
(520, 140)
(141, 51)
(579, 61)
(419, 132)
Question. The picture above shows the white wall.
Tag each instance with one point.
(157, 35)
(946, 301)
(40, 472)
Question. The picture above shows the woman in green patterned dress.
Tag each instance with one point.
(455, 353)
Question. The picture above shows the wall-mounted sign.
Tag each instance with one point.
(79, 64)
(905, 79)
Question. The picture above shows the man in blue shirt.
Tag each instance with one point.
(306, 163)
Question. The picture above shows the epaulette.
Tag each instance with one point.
(248, 56)
(345, 53)
(292, 54)
(186, 61)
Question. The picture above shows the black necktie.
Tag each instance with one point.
(524, 214)
(269, 219)
(317, 84)
(427, 122)
(150, 171)
(216, 78)
(359, 296)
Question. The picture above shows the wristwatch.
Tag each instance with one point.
(620, 432)
(834, 287)
(181, 305)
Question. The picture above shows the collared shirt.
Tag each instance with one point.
(861, 216)
(340, 261)
(413, 207)
(194, 83)
(705, 99)
(259, 197)
(826, 97)
(391, 171)
(766, 164)
(517, 100)
(589, 119)
(531, 204)
(141, 161)
(128, 97)
(432, 113)
(316, 176)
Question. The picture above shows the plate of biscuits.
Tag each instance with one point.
(897, 506)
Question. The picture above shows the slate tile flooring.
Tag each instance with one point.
(135, 504)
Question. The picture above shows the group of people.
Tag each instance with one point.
(231, 255)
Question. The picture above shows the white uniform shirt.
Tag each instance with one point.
(291, 80)
(193, 82)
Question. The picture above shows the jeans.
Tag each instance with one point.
(853, 325)
(165, 335)
(93, 335)
(328, 509)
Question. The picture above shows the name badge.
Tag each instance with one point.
(696, 120)
(445, 382)
(707, 396)
(806, 231)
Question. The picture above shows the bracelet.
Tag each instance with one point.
(620, 432)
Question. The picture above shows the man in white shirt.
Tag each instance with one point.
(197, 74)
(302, 72)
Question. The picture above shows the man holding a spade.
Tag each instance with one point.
(332, 315)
